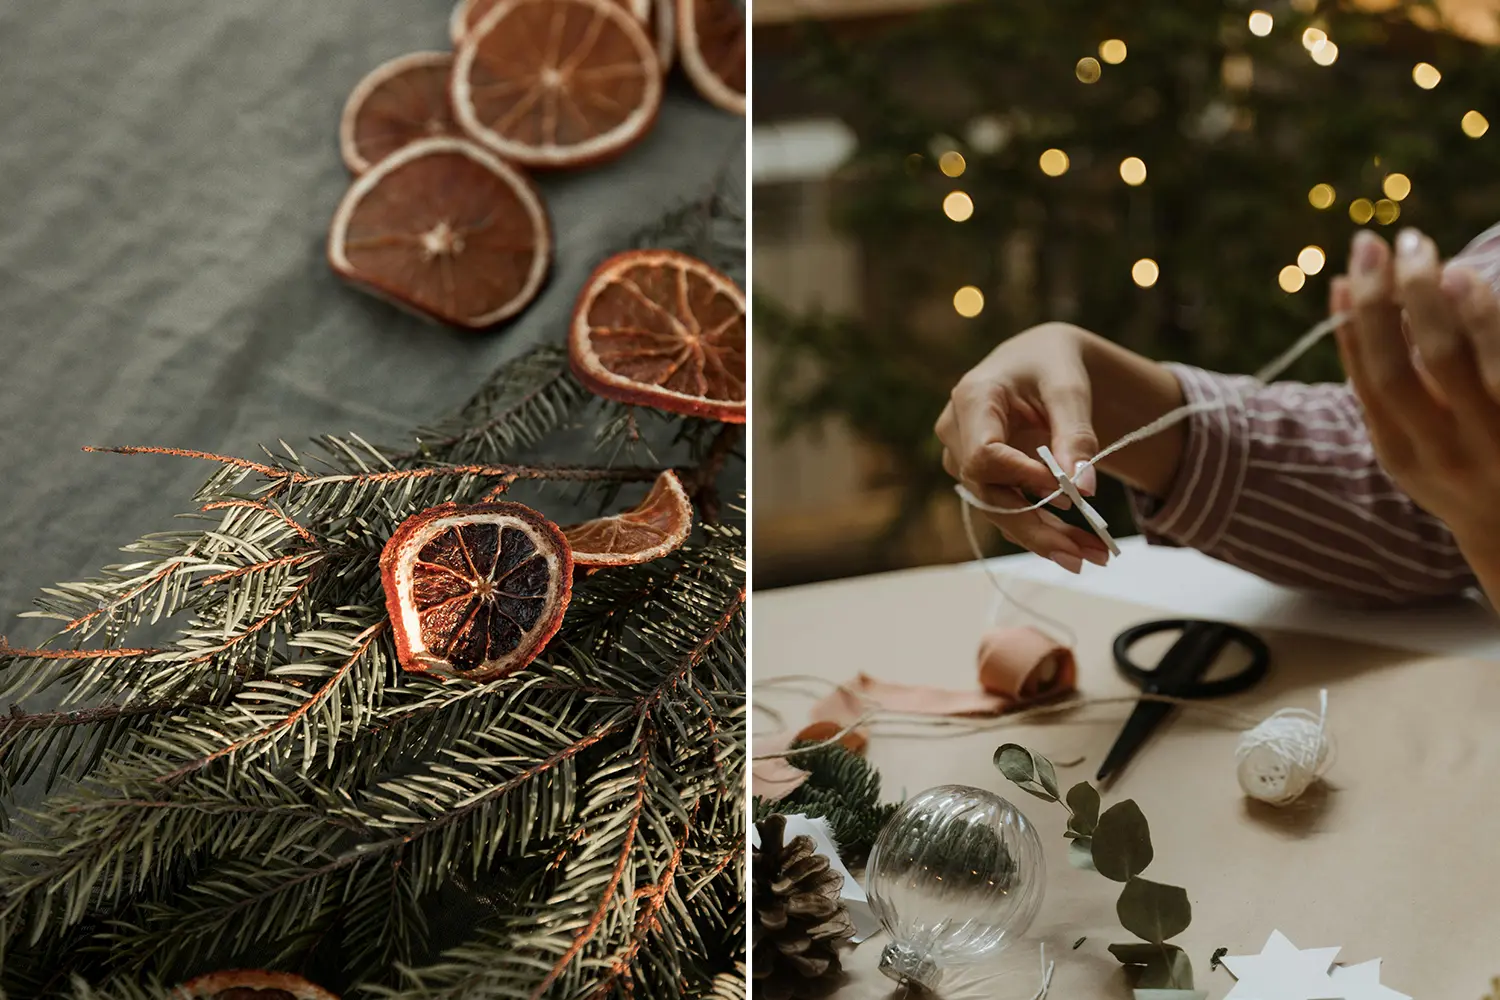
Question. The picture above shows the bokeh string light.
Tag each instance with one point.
(1238, 73)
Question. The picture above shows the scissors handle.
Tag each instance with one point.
(1182, 668)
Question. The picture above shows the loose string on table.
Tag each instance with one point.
(873, 715)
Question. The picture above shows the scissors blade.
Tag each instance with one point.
(1146, 717)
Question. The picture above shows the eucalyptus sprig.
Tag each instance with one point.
(1117, 844)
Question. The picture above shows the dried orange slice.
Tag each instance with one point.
(467, 13)
(664, 28)
(557, 83)
(447, 229)
(662, 329)
(711, 41)
(475, 591)
(649, 530)
(246, 984)
(399, 102)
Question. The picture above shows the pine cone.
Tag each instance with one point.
(800, 922)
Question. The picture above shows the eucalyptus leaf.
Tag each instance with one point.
(1030, 771)
(1081, 855)
(1122, 842)
(1153, 911)
(1156, 966)
(1047, 775)
(1014, 761)
(1083, 803)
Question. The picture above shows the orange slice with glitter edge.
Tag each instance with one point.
(467, 13)
(247, 984)
(557, 83)
(711, 44)
(659, 328)
(447, 230)
(475, 591)
(656, 526)
(397, 103)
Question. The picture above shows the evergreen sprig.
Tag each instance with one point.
(265, 787)
(842, 788)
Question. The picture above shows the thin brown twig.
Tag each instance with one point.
(624, 474)
(20, 653)
(368, 636)
(261, 505)
(606, 900)
(705, 475)
(290, 559)
(19, 721)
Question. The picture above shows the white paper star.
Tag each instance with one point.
(1282, 972)
(1362, 982)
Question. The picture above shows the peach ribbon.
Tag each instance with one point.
(1017, 667)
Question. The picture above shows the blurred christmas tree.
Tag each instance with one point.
(1181, 178)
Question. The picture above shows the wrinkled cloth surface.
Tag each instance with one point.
(168, 169)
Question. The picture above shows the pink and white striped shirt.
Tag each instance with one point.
(1282, 482)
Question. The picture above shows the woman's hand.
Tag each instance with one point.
(1431, 388)
(1031, 390)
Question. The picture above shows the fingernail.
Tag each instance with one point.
(1084, 478)
(1409, 243)
(1068, 561)
(1366, 251)
(1098, 557)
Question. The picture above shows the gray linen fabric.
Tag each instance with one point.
(167, 172)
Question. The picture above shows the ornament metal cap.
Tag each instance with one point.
(910, 967)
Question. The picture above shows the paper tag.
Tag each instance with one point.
(1092, 516)
(853, 894)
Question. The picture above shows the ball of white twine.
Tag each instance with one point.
(1280, 758)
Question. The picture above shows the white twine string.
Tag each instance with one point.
(1280, 758)
(1041, 993)
(1269, 373)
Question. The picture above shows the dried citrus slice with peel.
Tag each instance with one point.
(401, 101)
(475, 590)
(557, 83)
(649, 530)
(659, 328)
(711, 42)
(468, 13)
(447, 229)
(246, 984)
(664, 29)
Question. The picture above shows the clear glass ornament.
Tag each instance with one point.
(955, 876)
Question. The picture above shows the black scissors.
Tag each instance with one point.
(1179, 675)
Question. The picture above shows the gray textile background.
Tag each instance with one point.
(167, 172)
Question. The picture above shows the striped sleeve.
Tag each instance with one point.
(1282, 482)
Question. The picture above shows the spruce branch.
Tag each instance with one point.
(258, 781)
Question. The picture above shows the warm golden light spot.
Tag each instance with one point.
(1238, 71)
(968, 302)
(1474, 124)
(1397, 186)
(1387, 211)
(1088, 70)
(1112, 51)
(1325, 54)
(1144, 272)
(1261, 23)
(1426, 75)
(1321, 196)
(1291, 278)
(1311, 259)
(1313, 38)
(958, 206)
(952, 163)
(1361, 211)
(1133, 171)
(1054, 163)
